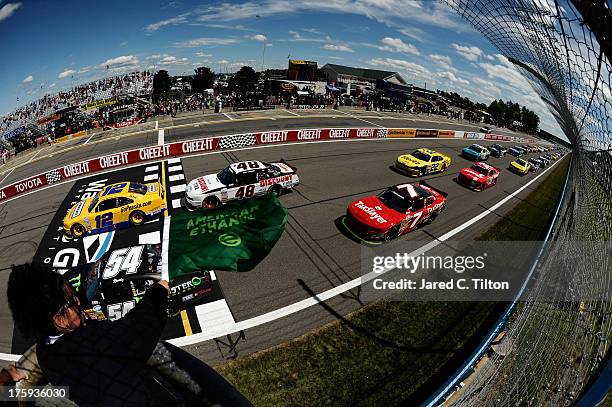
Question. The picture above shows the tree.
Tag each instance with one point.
(203, 79)
(161, 84)
(243, 80)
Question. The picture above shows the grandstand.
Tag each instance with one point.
(134, 84)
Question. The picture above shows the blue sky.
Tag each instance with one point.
(47, 47)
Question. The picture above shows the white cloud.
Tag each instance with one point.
(312, 31)
(258, 37)
(121, 61)
(202, 55)
(8, 9)
(295, 35)
(84, 69)
(385, 11)
(28, 79)
(397, 45)
(180, 19)
(52, 85)
(172, 60)
(413, 33)
(337, 47)
(205, 41)
(156, 56)
(413, 70)
(441, 59)
(471, 53)
(451, 77)
(66, 73)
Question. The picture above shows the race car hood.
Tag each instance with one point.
(473, 175)
(372, 212)
(285, 169)
(79, 209)
(205, 184)
(518, 166)
(409, 160)
(469, 151)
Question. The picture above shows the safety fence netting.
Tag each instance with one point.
(553, 347)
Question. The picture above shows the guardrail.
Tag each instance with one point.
(228, 142)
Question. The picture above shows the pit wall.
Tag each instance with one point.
(228, 142)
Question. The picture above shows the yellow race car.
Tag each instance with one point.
(520, 166)
(422, 161)
(117, 205)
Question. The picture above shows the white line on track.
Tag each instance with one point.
(160, 137)
(178, 188)
(175, 168)
(290, 112)
(152, 168)
(89, 138)
(308, 302)
(6, 176)
(176, 203)
(176, 177)
(174, 160)
(358, 118)
(227, 115)
(151, 177)
(34, 156)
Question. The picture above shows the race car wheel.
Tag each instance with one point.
(392, 233)
(422, 171)
(443, 168)
(77, 230)
(137, 217)
(211, 202)
(275, 190)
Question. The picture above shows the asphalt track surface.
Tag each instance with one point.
(312, 256)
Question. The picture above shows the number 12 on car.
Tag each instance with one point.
(105, 220)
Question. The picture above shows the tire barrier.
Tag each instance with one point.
(228, 142)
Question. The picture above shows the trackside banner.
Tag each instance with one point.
(196, 146)
(235, 237)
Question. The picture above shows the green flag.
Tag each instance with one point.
(234, 237)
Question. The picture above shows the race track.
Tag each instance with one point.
(312, 256)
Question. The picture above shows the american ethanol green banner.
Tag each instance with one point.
(234, 237)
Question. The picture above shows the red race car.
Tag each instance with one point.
(397, 210)
(479, 176)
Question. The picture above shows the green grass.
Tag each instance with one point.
(527, 220)
(387, 351)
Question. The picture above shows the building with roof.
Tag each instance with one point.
(346, 75)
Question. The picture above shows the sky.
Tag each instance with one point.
(49, 46)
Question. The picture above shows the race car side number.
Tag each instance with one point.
(245, 192)
(104, 220)
(118, 310)
(126, 259)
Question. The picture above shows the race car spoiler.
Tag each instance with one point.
(282, 160)
(444, 194)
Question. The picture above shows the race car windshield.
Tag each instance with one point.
(479, 169)
(419, 155)
(226, 176)
(138, 188)
(476, 148)
(521, 162)
(394, 201)
(94, 202)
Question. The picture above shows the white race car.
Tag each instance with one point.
(240, 180)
